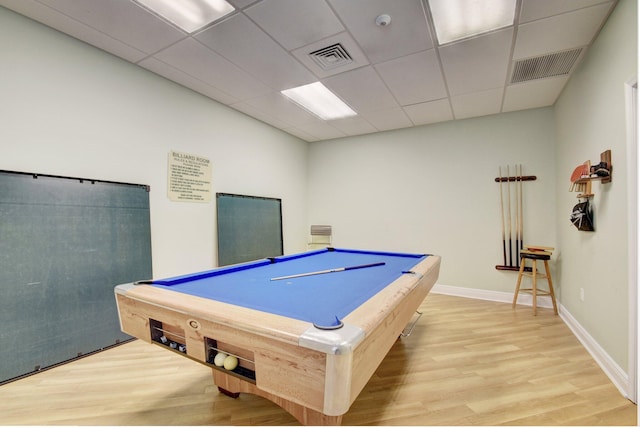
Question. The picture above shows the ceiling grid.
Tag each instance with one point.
(397, 75)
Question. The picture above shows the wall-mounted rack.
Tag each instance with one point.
(523, 178)
(586, 173)
(512, 215)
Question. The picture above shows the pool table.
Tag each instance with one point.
(307, 330)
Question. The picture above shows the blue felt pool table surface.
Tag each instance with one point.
(318, 299)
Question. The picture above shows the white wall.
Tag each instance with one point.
(69, 109)
(432, 189)
(590, 118)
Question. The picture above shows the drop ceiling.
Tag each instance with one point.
(395, 76)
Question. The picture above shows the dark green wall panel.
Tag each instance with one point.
(64, 244)
(249, 228)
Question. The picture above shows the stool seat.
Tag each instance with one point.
(535, 253)
(534, 256)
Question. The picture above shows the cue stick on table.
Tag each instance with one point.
(320, 272)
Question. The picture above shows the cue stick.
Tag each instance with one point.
(509, 215)
(517, 218)
(504, 242)
(521, 212)
(320, 272)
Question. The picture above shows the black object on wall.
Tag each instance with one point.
(64, 244)
(249, 228)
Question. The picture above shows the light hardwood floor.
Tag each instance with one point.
(468, 362)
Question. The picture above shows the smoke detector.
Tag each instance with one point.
(383, 20)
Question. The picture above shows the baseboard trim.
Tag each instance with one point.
(613, 371)
(494, 296)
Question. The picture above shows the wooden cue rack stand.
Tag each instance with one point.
(513, 265)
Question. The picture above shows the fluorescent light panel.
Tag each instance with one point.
(190, 15)
(320, 101)
(460, 19)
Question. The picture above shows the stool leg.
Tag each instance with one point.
(551, 292)
(515, 295)
(534, 290)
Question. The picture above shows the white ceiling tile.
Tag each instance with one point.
(362, 90)
(184, 79)
(74, 28)
(538, 93)
(385, 120)
(204, 64)
(408, 32)
(295, 23)
(355, 125)
(321, 130)
(560, 32)
(122, 20)
(431, 112)
(477, 104)
(300, 134)
(477, 64)
(537, 9)
(280, 107)
(260, 115)
(414, 78)
(240, 41)
(240, 4)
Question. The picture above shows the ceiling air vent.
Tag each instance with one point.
(331, 57)
(541, 67)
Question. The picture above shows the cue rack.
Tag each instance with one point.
(512, 214)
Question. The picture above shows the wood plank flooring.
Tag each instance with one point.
(468, 362)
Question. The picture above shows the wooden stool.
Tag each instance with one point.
(534, 254)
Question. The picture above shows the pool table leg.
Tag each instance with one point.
(233, 386)
(229, 393)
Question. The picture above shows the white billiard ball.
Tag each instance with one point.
(218, 360)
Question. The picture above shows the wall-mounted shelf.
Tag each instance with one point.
(599, 172)
(587, 179)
